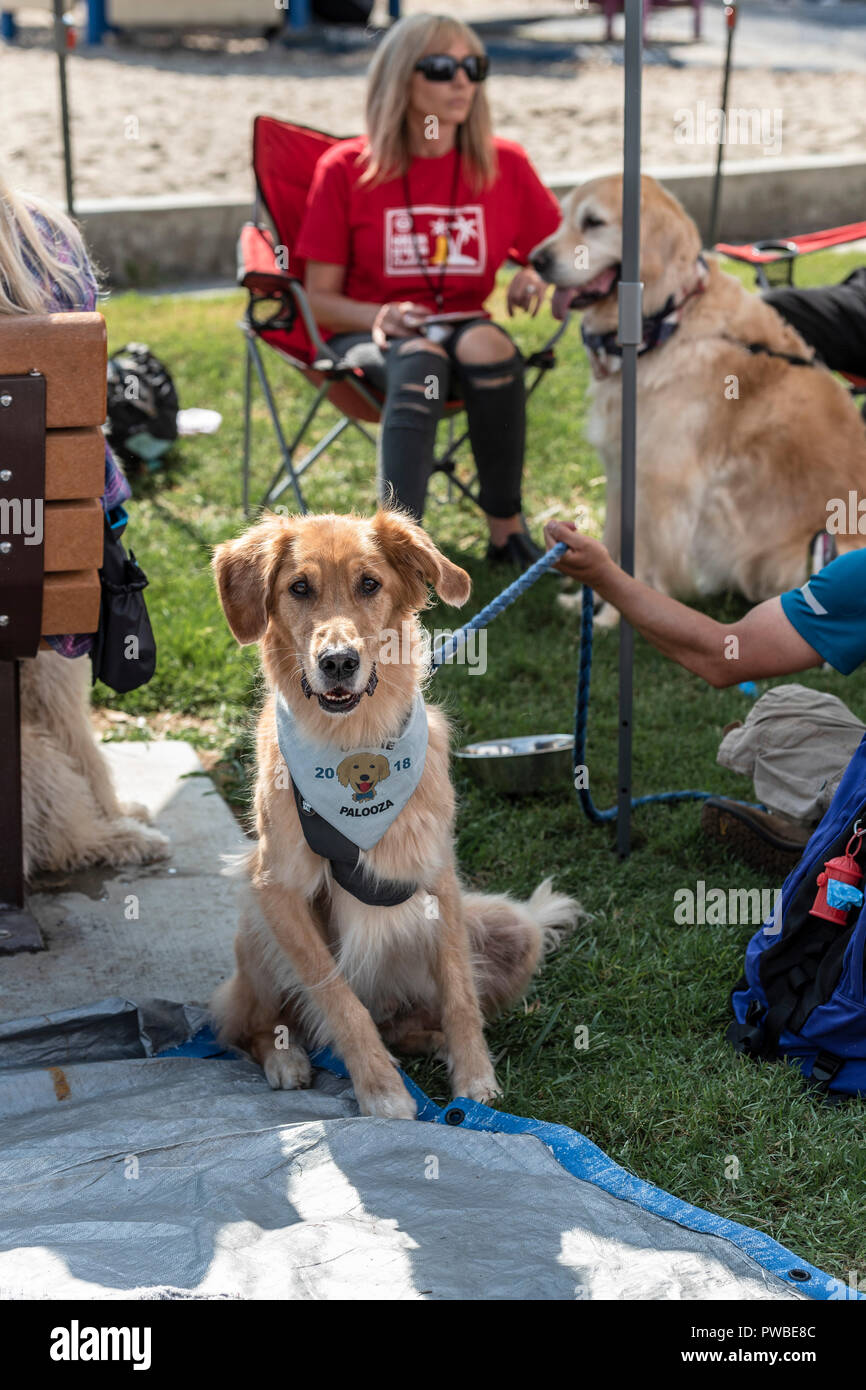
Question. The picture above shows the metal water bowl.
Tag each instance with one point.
(520, 766)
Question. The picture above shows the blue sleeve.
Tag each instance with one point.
(829, 612)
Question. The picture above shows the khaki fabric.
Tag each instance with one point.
(795, 745)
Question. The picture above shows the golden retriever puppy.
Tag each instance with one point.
(71, 817)
(741, 443)
(356, 931)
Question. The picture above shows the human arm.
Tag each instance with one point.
(335, 311)
(762, 644)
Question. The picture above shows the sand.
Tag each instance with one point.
(178, 120)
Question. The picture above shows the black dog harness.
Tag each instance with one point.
(344, 857)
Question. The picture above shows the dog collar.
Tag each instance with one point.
(605, 349)
(358, 790)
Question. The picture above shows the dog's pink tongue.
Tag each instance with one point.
(561, 301)
(365, 785)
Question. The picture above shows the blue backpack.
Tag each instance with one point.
(802, 995)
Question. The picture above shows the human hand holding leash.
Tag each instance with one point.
(587, 559)
(400, 320)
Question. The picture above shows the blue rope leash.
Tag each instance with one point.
(498, 605)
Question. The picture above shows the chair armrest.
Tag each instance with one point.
(258, 269)
(260, 272)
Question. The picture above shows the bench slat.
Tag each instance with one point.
(70, 603)
(73, 535)
(70, 352)
(74, 464)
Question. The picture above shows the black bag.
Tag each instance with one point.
(124, 651)
(142, 405)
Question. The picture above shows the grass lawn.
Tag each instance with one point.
(657, 1087)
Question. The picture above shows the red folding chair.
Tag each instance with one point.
(278, 317)
(773, 261)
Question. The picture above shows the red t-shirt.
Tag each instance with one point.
(369, 229)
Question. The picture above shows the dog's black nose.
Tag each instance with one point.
(542, 260)
(339, 664)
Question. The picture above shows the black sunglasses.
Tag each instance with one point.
(441, 67)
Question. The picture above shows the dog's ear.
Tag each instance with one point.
(343, 772)
(410, 551)
(245, 569)
(670, 241)
(384, 767)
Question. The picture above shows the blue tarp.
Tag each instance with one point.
(138, 1159)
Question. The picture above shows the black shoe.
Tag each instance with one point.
(519, 551)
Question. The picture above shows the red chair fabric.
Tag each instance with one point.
(284, 160)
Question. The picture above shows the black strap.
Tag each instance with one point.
(790, 357)
(824, 1068)
(748, 1036)
(344, 856)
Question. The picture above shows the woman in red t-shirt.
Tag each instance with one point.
(411, 222)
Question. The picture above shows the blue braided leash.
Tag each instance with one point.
(498, 605)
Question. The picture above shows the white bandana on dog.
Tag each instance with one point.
(360, 791)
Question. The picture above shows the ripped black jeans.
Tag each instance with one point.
(417, 384)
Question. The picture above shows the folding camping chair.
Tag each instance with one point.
(774, 262)
(278, 317)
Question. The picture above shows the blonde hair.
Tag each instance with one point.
(388, 85)
(31, 274)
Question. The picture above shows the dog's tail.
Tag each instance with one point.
(240, 864)
(510, 939)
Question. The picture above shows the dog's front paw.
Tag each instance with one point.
(607, 617)
(387, 1102)
(288, 1069)
(484, 1088)
(134, 843)
(570, 602)
(135, 810)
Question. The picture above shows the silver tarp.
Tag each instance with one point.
(123, 1174)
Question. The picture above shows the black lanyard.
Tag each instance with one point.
(437, 293)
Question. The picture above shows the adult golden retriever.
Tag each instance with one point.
(324, 596)
(71, 816)
(739, 449)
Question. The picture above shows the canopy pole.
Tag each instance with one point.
(630, 336)
(61, 42)
(713, 231)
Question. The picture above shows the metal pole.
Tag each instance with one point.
(630, 336)
(731, 22)
(60, 47)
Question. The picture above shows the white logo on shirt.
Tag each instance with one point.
(813, 603)
(454, 237)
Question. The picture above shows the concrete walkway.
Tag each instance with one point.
(160, 931)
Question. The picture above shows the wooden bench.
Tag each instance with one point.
(52, 477)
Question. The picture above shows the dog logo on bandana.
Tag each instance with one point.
(362, 772)
(359, 791)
